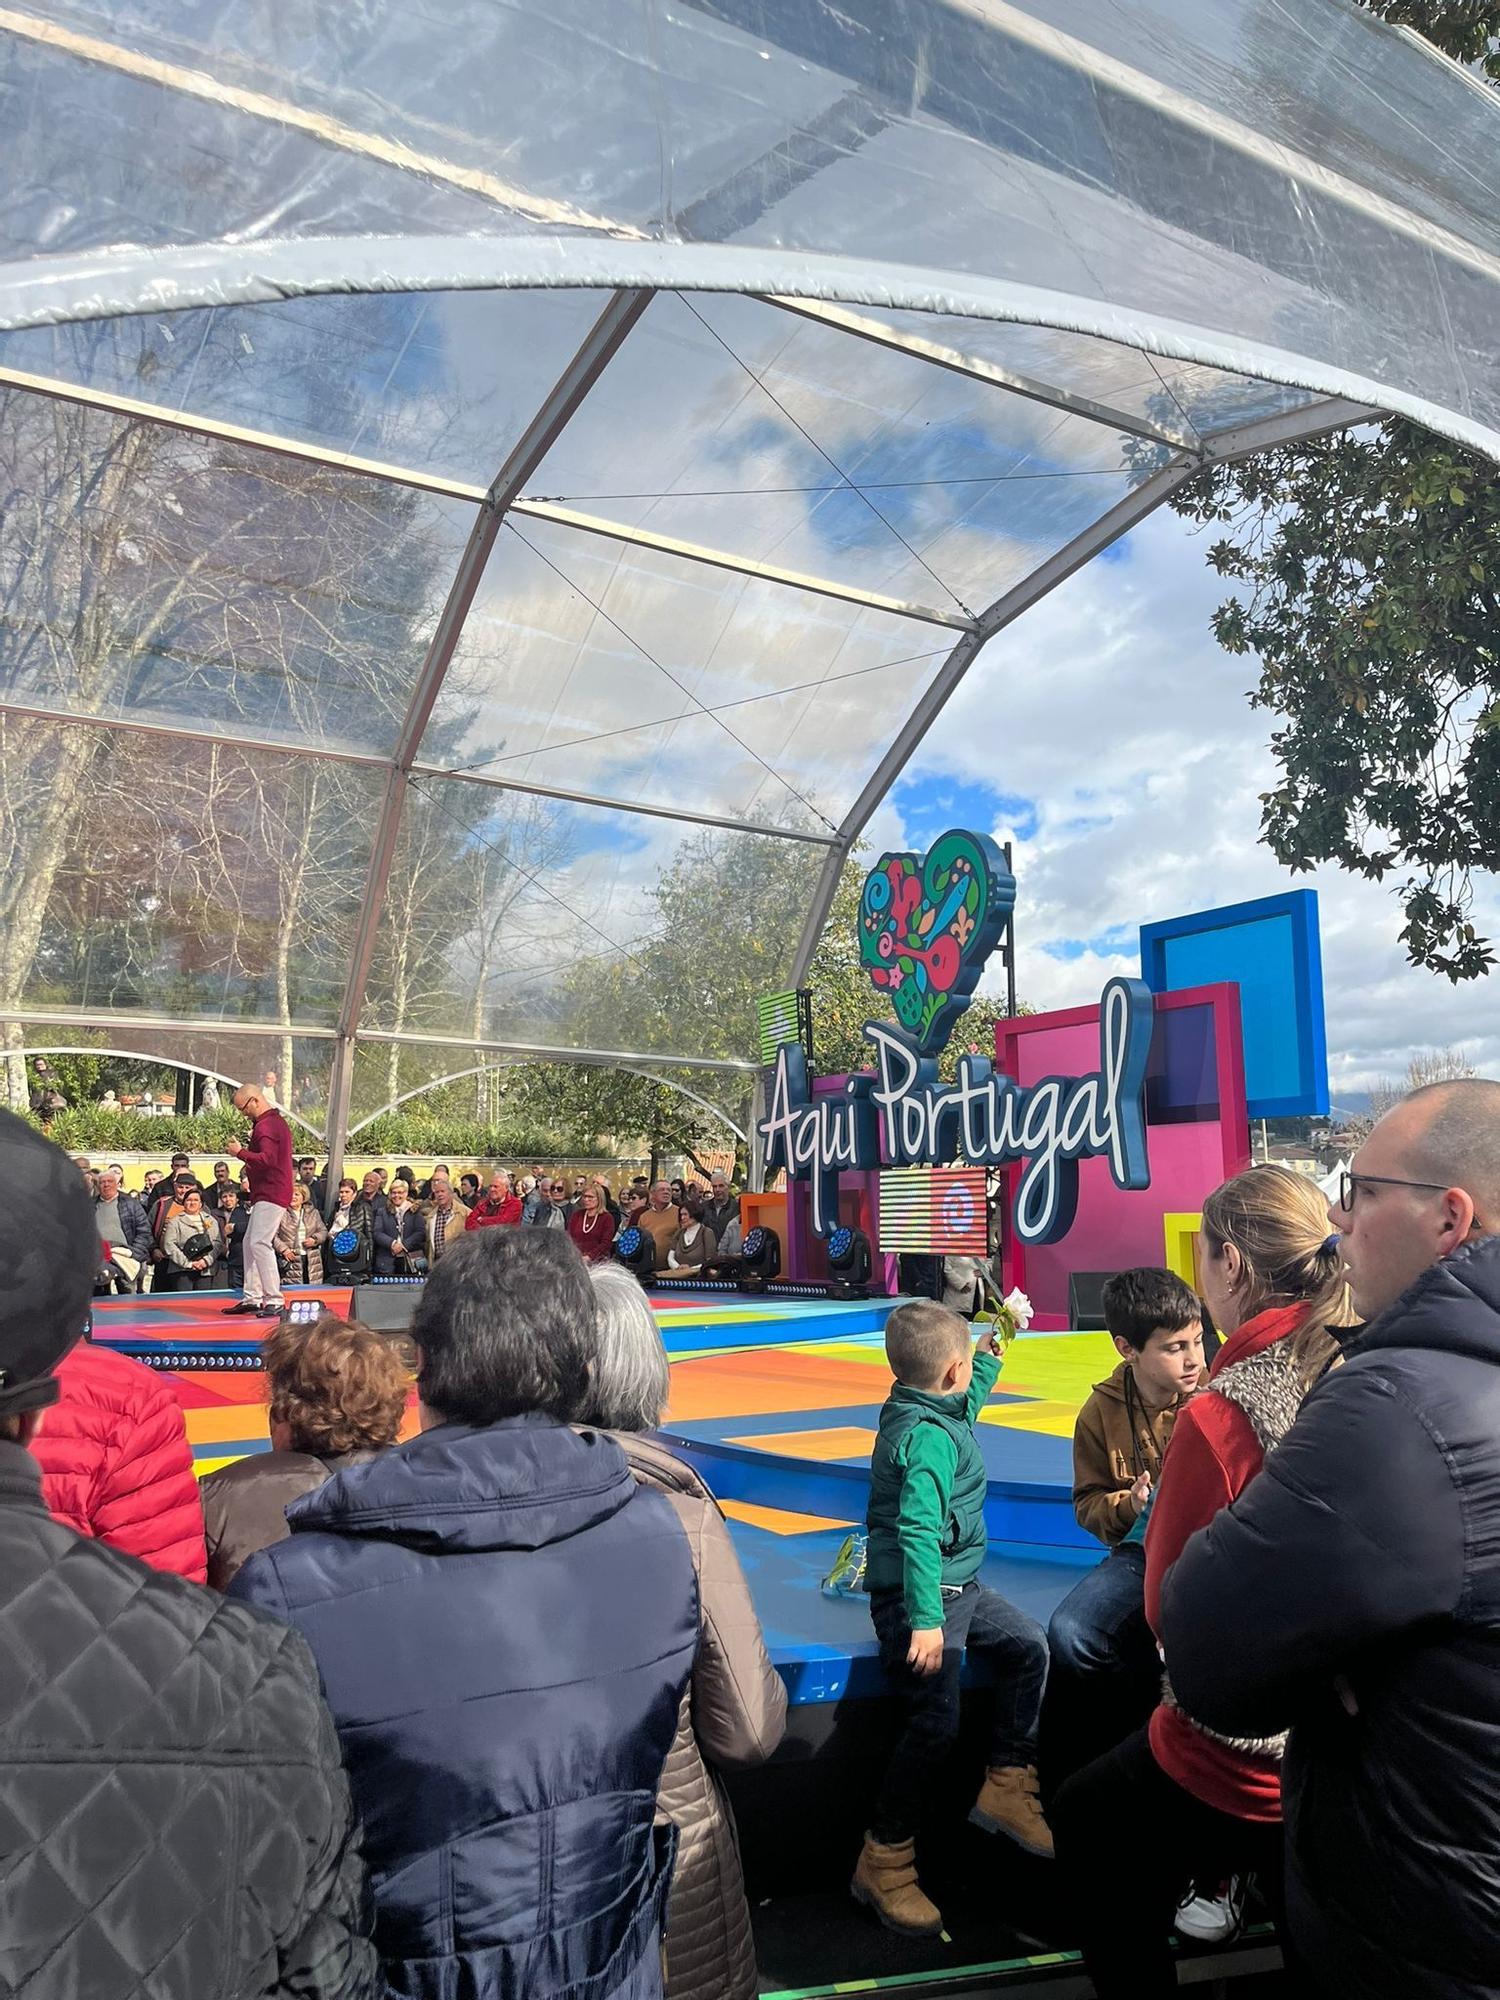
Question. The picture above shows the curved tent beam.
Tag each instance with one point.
(520, 1062)
(160, 1062)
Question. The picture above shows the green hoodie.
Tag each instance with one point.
(927, 1491)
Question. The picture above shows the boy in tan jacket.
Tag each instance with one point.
(1104, 1674)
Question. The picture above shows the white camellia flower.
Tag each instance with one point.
(1020, 1309)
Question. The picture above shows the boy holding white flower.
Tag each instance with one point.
(926, 1544)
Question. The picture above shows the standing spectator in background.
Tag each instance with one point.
(267, 1159)
(213, 1194)
(722, 1207)
(234, 1219)
(151, 1180)
(192, 1241)
(352, 1215)
(447, 1219)
(733, 1711)
(504, 1765)
(498, 1206)
(268, 1090)
(428, 1185)
(122, 1226)
(307, 1171)
(575, 1197)
(162, 1188)
(337, 1393)
(85, 1167)
(553, 1212)
(176, 1819)
(468, 1188)
(210, 1098)
(531, 1197)
(659, 1220)
(400, 1235)
(116, 1463)
(592, 1227)
(693, 1246)
(300, 1240)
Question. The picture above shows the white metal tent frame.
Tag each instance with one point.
(585, 252)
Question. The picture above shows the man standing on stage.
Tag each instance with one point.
(267, 1161)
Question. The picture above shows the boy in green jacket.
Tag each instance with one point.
(927, 1541)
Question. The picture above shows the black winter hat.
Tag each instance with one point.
(49, 1253)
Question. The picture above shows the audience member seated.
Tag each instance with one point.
(1353, 1589)
(693, 1246)
(733, 1711)
(504, 1622)
(191, 1243)
(299, 1241)
(447, 1219)
(553, 1210)
(592, 1227)
(500, 1205)
(659, 1220)
(1105, 1674)
(116, 1462)
(122, 1227)
(234, 1220)
(176, 1820)
(400, 1236)
(1200, 1805)
(337, 1392)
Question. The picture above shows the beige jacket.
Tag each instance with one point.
(733, 1715)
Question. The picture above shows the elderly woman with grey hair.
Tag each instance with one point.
(734, 1709)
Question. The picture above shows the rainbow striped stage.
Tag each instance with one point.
(775, 1401)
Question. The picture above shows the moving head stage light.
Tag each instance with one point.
(636, 1251)
(760, 1259)
(851, 1264)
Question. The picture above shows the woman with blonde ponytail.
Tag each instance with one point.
(1194, 1805)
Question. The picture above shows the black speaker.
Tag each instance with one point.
(1086, 1300)
(386, 1305)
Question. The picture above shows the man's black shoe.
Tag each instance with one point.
(240, 1309)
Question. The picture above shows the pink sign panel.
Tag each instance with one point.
(1197, 1133)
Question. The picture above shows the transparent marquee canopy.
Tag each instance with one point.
(494, 492)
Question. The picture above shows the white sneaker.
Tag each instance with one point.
(1213, 1919)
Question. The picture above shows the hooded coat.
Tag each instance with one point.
(504, 1622)
(1352, 1593)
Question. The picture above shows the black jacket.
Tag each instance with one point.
(504, 1622)
(173, 1815)
(1361, 1570)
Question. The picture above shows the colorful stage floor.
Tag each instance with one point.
(775, 1401)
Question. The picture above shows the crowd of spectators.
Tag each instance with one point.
(465, 1698)
(183, 1232)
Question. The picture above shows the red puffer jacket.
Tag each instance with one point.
(116, 1463)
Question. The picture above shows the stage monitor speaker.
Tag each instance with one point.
(1086, 1300)
(387, 1306)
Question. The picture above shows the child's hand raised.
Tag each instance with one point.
(925, 1653)
(986, 1341)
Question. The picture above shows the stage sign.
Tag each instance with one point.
(926, 926)
(937, 1210)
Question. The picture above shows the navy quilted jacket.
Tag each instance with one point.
(504, 1622)
(174, 1821)
(1353, 1593)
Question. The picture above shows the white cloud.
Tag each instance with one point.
(1112, 708)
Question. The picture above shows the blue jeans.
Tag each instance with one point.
(975, 1620)
(1105, 1676)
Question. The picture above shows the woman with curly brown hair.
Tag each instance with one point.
(337, 1392)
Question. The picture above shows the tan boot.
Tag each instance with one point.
(1008, 1804)
(886, 1881)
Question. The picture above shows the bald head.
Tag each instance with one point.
(1452, 1135)
(249, 1100)
(1424, 1184)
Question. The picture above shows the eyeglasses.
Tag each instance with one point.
(1350, 1185)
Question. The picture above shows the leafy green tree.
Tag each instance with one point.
(1367, 574)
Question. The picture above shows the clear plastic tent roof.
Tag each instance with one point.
(495, 491)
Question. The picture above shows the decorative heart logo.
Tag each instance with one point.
(928, 923)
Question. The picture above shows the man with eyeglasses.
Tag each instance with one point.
(1352, 1592)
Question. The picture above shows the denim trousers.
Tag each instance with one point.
(1105, 1676)
(978, 1621)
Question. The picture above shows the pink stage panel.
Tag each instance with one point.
(1197, 1135)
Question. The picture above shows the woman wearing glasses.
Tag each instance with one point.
(1202, 1806)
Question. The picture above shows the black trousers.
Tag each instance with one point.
(975, 1620)
(1130, 1844)
(1105, 1676)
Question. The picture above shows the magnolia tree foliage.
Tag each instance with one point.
(1366, 569)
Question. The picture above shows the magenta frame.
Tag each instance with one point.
(1229, 1075)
